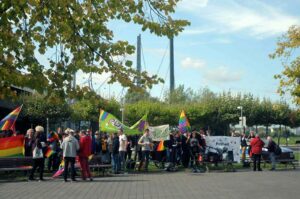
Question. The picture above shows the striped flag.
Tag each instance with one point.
(8, 123)
(60, 170)
(161, 146)
(49, 152)
(184, 124)
(12, 146)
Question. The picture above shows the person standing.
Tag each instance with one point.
(250, 137)
(185, 150)
(115, 153)
(29, 142)
(85, 145)
(146, 142)
(178, 153)
(37, 154)
(122, 149)
(128, 148)
(104, 149)
(97, 143)
(256, 149)
(70, 146)
(172, 145)
(271, 148)
(194, 150)
(243, 147)
(202, 139)
(53, 144)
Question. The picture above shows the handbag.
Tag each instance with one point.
(37, 153)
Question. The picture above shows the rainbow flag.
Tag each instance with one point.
(49, 152)
(184, 124)
(12, 146)
(60, 170)
(52, 137)
(103, 115)
(160, 146)
(8, 123)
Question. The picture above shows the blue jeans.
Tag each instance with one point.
(145, 158)
(115, 163)
(122, 164)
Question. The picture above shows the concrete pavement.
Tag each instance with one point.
(236, 185)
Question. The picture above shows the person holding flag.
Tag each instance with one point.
(52, 150)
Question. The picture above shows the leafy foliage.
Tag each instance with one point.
(133, 97)
(207, 110)
(37, 108)
(78, 33)
(288, 51)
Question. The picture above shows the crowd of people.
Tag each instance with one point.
(255, 147)
(119, 150)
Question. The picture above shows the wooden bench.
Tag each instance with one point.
(96, 164)
(16, 164)
(103, 167)
(286, 162)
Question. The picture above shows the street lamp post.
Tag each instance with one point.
(242, 119)
(122, 109)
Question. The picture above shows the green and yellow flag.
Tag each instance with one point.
(110, 124)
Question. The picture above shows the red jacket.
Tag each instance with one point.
(256, 145)
(85, 146)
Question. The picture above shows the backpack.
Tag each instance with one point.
(277, 150)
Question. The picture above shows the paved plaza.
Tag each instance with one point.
(242, 185)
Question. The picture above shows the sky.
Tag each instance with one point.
(226, 48)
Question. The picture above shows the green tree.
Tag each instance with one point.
(86, 105)
(37, 108)
(134, 96)
(78, 33)
(179, 95)
(288, 50)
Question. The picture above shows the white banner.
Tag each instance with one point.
(158, 133)
(230, 143)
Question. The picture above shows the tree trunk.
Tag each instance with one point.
(256, 129)
(267, 130)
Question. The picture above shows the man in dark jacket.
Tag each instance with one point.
(115, 153)
(256, 149)
(194, 151)
(29, 142)
(243, 147)
(185, 150)
(271, 148)
(37, 154)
